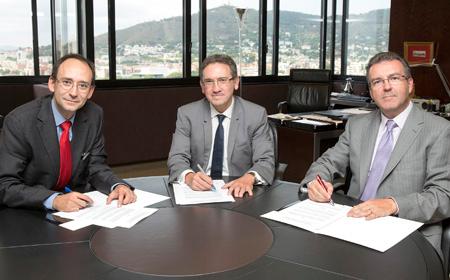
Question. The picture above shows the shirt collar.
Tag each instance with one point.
(59, 119)
(400, 119)
(227, 113)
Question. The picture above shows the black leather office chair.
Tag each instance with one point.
(309, 90)
(445, 245)
(280, 168)
(40, 90)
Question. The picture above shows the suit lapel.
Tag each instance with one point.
(48, 134)
(407, 136)
(207, 132)
(79, 135)
(367, 145)
(234, 126)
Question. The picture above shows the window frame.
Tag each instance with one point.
(85, 32)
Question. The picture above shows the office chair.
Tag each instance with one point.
(40, 90)
(1, 122)
(309, 90)
(280, 168)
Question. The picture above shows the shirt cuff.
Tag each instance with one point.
(181, 178)
(258, 179)
(48, 203)
(396, 206)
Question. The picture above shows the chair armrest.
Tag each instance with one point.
(282, 106)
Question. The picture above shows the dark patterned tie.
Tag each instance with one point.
(217, 157)
(65, 157)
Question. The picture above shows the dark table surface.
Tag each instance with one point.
(34, 247)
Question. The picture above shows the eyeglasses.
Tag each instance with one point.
(67, 84)
(220, 82)
(393, 80)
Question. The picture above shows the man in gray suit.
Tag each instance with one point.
(404, 173)
(246, 147)
(35, 170)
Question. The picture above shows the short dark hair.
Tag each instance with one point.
(77, 57)
(388, 56)
(219, 58)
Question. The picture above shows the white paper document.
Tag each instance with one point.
(110, 215)
(184, 195)
(379, 234)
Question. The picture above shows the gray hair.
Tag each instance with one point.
(388, 56)
(219, 58)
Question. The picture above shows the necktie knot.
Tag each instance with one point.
(220, 117)
(65, 125)
(390, 125)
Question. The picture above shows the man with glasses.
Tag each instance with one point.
(398, 155)
(221, 135)
(52, 149)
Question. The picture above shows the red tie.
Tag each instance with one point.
(65, 157)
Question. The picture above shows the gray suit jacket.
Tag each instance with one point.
(29, 154)
(250, 143)
(416, 176)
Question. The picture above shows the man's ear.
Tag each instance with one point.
(51, 84)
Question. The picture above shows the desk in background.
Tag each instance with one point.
(32, 247)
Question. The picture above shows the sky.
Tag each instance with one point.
(15, 15)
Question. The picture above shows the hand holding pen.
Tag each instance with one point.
(320, 191)
(199, 181)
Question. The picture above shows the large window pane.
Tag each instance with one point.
(367, 31)
(195, 38)
(16, 38)
(66, 27)
(269, 54)
(101, 50)
(45, 37)
(223, 32)
(149, 39)
(299, 41)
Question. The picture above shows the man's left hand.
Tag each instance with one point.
(373, 208)
(123, 194)
(241, 185)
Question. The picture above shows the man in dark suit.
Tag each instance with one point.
(52, 148)
(247, 149)
(399, 169)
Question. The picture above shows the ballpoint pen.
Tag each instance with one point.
(203, 171)
(323, 186)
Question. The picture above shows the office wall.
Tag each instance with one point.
(139, 122)
(423, 21)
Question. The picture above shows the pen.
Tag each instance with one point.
(67, 189)
(203, 171)
(84, 155)
(323, 186)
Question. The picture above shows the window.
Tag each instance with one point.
(45, 37)
(223, 25)
(101, 39)
(66, 27)
(299, 42)
(149, 39)
(367, 33)
(16, 38)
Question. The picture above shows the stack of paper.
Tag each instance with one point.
(110, 215)
(184, 195)
(323, 218)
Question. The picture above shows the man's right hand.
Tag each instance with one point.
(71, 202)
(317, 193)
(198, 181)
